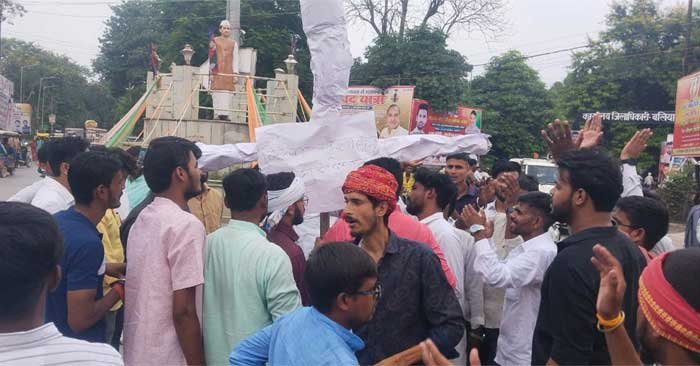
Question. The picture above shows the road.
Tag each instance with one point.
(22, 178)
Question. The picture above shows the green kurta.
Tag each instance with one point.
(248, 283)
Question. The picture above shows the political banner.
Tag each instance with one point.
(391, 107)
(686, 133)
(6, 105)
(22, 118)
(463, 121)
(635, 117)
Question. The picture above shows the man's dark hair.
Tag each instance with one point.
(423, 106)
(128, 161)
(64, 150)
(505, 166)
(458, 156)
(30, 248)
(244, 188)
(472, 162)
(528, 183)
(164, 155)
(648, 214)
(542, 203)
(43, 153)
(445, 190)
(392, 166)
(279, 181)
(596, 173)
(474, 113)
(336, 268)
(90, 170)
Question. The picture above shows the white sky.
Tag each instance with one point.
(73, 28)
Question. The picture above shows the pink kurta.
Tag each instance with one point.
(164, 254)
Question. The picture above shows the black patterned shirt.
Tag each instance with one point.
(417, 303)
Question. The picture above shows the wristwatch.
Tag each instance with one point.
(476, 228)
(629, 161)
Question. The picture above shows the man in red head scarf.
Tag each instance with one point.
(416, 302)
(668, 320)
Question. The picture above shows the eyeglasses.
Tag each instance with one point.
(376, 292)
(617, 223)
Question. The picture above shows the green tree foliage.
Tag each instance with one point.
(125, 46)
(421, 59)
(516, 104)
(75, 97)
(634, 66)
(10, 9)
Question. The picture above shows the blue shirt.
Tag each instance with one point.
(82, 269)
(303, 337)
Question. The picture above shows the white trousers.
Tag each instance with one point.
(222, 104)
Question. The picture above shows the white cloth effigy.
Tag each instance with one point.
(279, 201)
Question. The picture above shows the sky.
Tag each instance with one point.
(73, 28)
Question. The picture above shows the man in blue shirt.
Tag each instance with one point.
(77, 307)
(342, 282)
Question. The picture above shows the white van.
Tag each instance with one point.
(544, 170)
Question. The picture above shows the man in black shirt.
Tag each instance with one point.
(585, 193)
(416, 302)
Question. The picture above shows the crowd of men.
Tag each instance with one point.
(458, 267)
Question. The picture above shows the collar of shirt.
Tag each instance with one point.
(392, 247)
(434, 217)
(287, 231)
(35, 337)
(84, 221)
(587, 235)
(246, 226)
(353, 341)
(540, 241)
(57, 187)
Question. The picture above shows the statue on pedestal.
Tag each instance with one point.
(222, 76)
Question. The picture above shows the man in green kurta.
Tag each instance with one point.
(248, 281)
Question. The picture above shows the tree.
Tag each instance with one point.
(634, 66)
(516, 103)
(70, 95)
(124, 53)
(386, 17)
(10, 9)
(421, 59)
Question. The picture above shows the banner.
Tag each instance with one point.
(22, 118)
(686, 133)
(463, 121)
(639, 117)
(391, 106)
(6, 105)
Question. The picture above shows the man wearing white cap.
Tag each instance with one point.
(286, 207)
(226, 65)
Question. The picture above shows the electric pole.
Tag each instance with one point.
(233, 12)
(687, 67)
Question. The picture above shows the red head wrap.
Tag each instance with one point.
(375, 182)
(666, 310)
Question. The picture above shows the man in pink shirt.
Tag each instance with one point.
(400, 223)
(165, 262)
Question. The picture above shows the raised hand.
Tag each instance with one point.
(636, 144)
(487, 191)
(557, 135)
(471, 216)
(508, 183)
(591, 133)
(612, 283)
(431, 355)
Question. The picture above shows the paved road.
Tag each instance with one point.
(22, 178)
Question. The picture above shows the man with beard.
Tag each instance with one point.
(207, 206)
(588, 185)
(417, 301)
(421, 120)
(77, 307)
(248, 281)
(166, 245)
(669, 309)
(431, 198)
(520, 274)
(458, 169)
(286, 206)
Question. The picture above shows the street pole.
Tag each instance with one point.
(43, 100)
(41, 94)
(233, 12)
(21, 81)
(686, 64)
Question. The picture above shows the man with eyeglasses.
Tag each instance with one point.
(342, 282)
(286, 204)
(417, 301)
